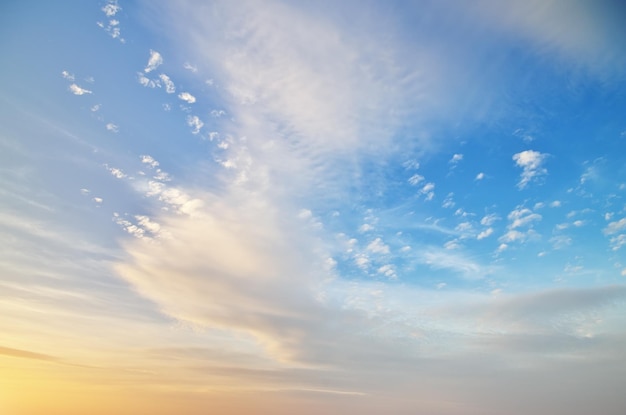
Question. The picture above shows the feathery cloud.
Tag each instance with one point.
(76, 90)
(154, 61)
(531, 163)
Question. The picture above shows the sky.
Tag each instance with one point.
(278, 207)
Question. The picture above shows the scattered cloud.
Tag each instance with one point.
(187, 97)
(154, 61)
(190, 67)
(112, 127)
(377, 246)
(68, 76)
(415, 179)
(170, 88)
(456, 158)
(480, 176)
(195, 122)
(118, 173)
(615, 227)
(531, 163)
(76, 90)
(484, 234)
(428, 191)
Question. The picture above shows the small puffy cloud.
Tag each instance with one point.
(555, 204)
(522, 217)
(217, 113)
(615, 227)
(624, 272)
(362, 261)
(149, 160)
(147, 82)
(112, 127)
(187, 97)
(377, 246)
(531, 163)
(366, 227)
(194, 122)
(456, 158)
(480, 176)
(416, 179)
(448, 202)
(428, 191)
(154, 61)
(617, 241)
(85, 192)
(484, 234)
(489, 219)
(388, 271)
(190, 67)
(118, 173)
(170, 88)
(76, 90)
(67, 75)
(111, 8)
(98, 200)
(95, 108)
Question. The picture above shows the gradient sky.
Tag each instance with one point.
(313, 207)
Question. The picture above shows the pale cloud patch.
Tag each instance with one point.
(115, 172)
(456, 158)
(147, 82)
(95, 108)
(76, 90)
(522, 217)
(190, 67)
(453, 261)
(112, 127)
(377, 246)
(111, 8)
(154, 61)
(187, 97)
(615, 227)
(366, 227)
(555, 204)
(489, 219)
(388, 271)
(531, 163)
(428, 191)
(416, 179)
(195, 123)
(170, 88)
(448, 202)
(68, 76)
(149, 160)
(485, 234)
(480, 176)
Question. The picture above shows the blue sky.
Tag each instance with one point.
(404, 205)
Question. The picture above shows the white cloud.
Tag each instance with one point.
(190, 67)
(615, 227)
(388, 271)
(617, 241)
(489, 219)
(149, 160)
(484, 234)
(118, 173)
(67, 75)
(428, 190)
(98, 200)
(416, 179)
(95, 108)
(456, 158)
(555, 204)
(522, 217)
(112, 127)
(531, 163)
(377, 246)
(147, 82)
(154, 61)
(480, 176)
(366, 227)
(76, 90)
(448, 202)
(194, 122)
(170, 88)
(111, 8)
(187, 97)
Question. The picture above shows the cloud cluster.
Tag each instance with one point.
(531, 163)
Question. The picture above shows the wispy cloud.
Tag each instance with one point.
(187, 97)
(170, 88)
(154, 61)
(76, 90)
(531, 163)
